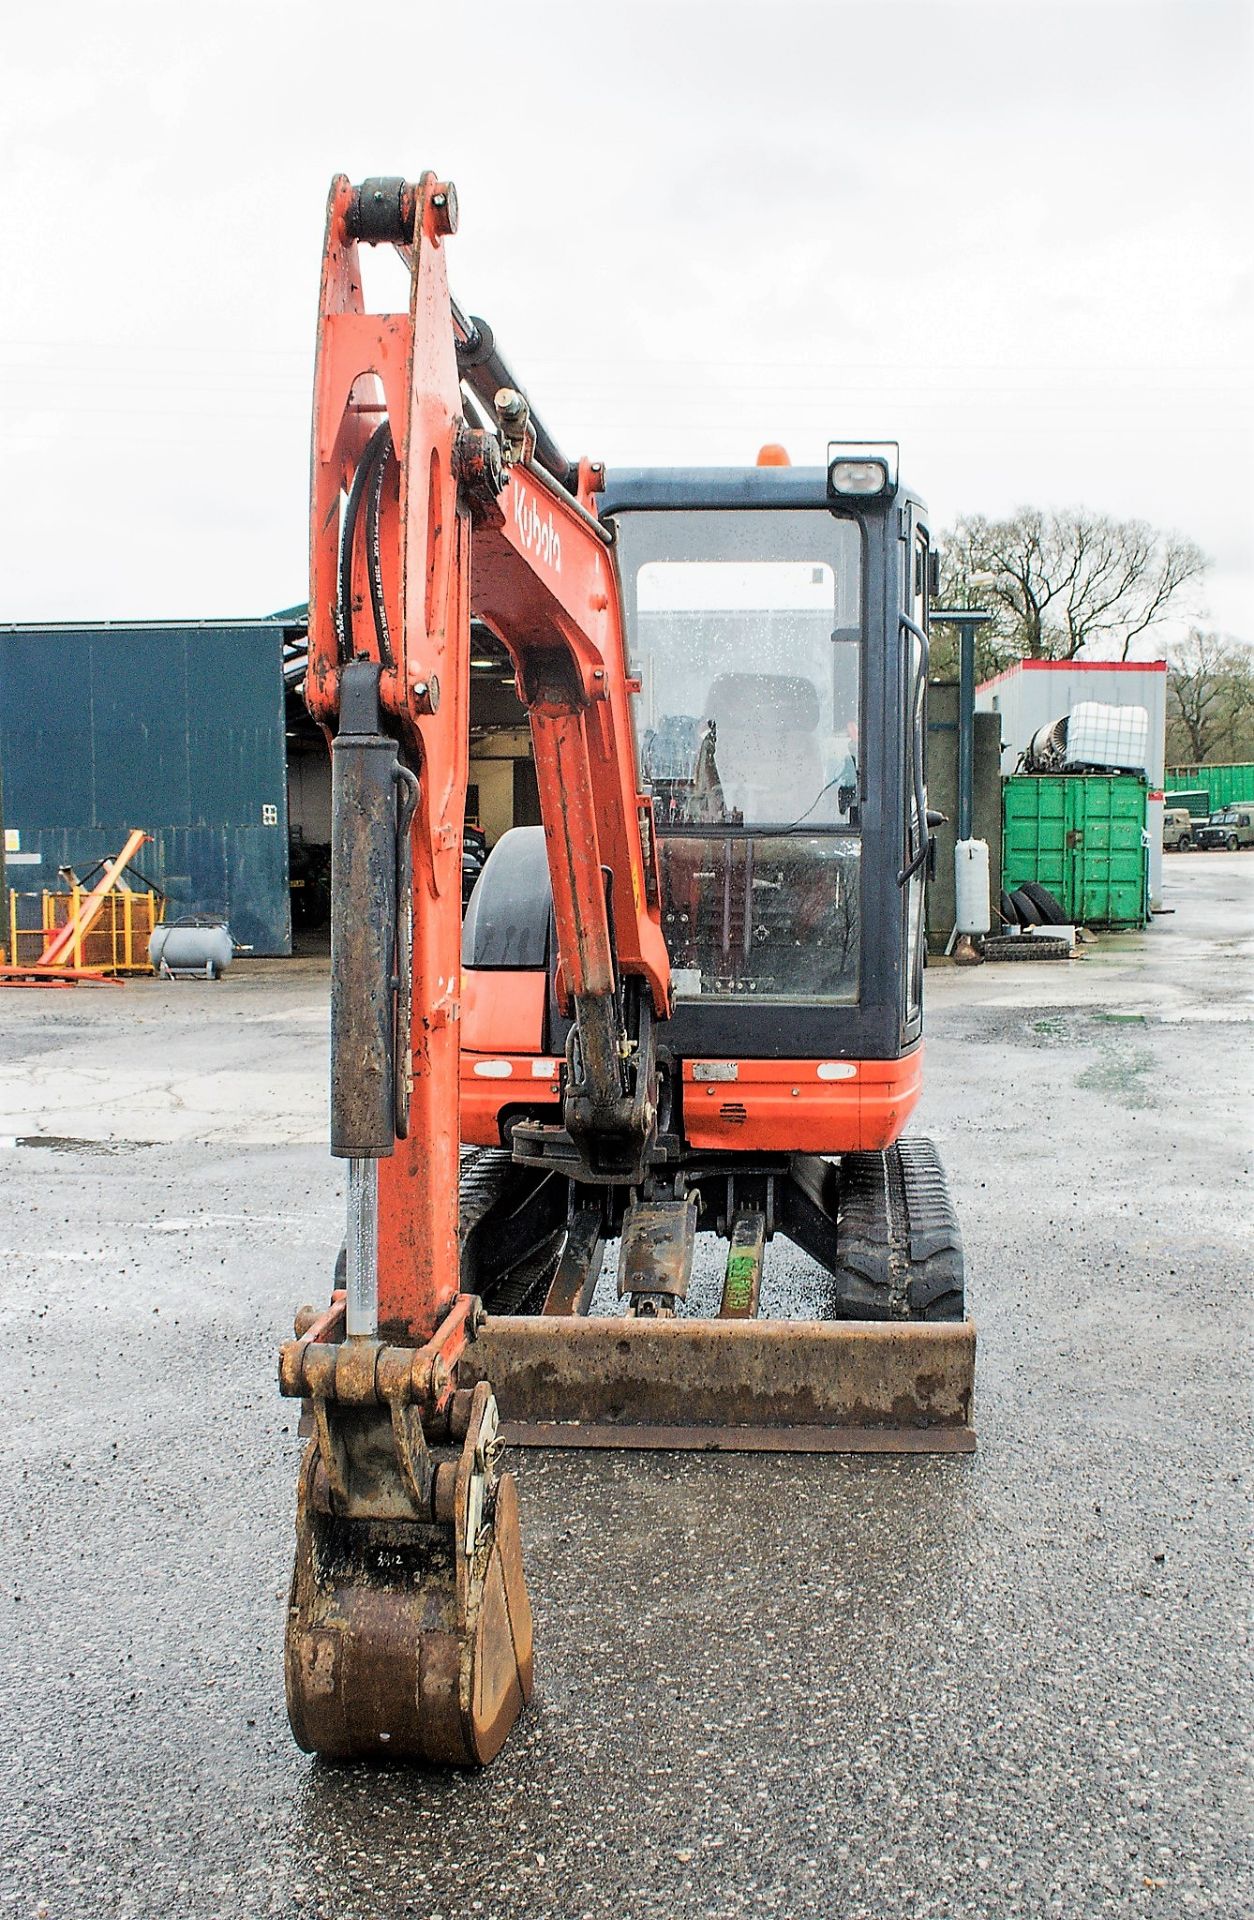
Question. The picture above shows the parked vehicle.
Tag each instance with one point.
(1177, 830)
(1230, 828)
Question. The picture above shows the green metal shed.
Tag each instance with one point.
(1196, 800)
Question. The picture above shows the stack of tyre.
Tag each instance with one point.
(1028, 907)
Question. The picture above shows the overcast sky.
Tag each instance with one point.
(1013, 236)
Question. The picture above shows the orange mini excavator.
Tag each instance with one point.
(689, 1003)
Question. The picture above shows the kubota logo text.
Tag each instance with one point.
(537, 535)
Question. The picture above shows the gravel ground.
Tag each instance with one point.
(1009, 1685)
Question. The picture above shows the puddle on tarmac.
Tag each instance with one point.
(67, 1143)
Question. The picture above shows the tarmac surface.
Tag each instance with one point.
(1014, 1684)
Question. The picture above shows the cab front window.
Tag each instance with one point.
(745, 633)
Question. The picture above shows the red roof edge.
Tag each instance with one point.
(1075, 666)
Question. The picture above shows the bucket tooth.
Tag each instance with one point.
(411, 1639)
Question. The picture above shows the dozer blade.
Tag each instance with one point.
(851, 1386)
(408, 1639)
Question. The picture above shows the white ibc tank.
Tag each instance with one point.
(1104, 736)
(971, 886)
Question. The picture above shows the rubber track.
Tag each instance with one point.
(1031, 946)
(484, 1177)
(481, 1177)
(897, 1233)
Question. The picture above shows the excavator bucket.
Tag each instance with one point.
(409, 1626)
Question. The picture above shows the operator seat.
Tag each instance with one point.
(768, 754)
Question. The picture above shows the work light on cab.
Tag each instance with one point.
(861, 472)
(858, 479)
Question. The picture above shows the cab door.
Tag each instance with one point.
(914, 652)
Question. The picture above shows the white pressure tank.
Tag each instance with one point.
(197, 947)
(971, 886)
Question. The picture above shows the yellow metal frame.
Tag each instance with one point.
(104, 928)
(115, 941)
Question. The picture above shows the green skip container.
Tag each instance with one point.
(1083, 837)
(1225, 785)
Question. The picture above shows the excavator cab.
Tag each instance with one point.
(776, 612)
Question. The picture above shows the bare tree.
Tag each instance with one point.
(1061, 583)
(1210, 699)
(964, 583)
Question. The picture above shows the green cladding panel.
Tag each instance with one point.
(1082, 836)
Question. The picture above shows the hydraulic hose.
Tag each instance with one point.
(402, 1063)
(378, 447)
(374, 560)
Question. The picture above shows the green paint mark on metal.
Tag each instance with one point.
(738, 1286)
